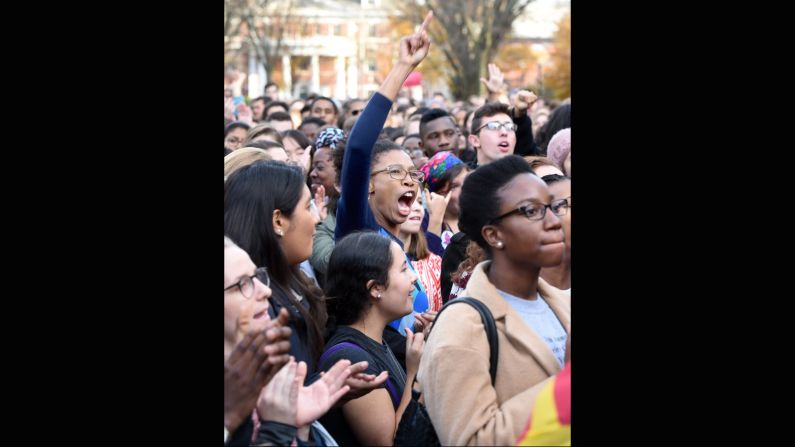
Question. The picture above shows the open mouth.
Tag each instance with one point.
(261, 314)
(404, 203)
(504, 146)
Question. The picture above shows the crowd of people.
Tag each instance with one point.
(350, 225)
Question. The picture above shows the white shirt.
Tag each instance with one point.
(540, 319)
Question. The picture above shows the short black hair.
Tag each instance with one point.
(235, 125)
(560, 118)
(357, 258)
(346, 106)
(479, 203)
(326, 98)
(554, 178)
(382, 146)
(395, 133)
(279, 116)
(274, 104)
(270, 84)
(432, 115)
(414, 135)
(391, 132)
(312, 120)
(486, 111)
(420, 111)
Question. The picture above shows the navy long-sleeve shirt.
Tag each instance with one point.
(353, 210)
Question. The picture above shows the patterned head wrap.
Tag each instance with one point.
(329, 137)
(438, 165)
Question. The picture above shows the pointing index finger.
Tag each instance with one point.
(425, 23)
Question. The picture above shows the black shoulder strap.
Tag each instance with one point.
(488, 323)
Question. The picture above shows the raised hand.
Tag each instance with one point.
(437, 205)
(414, 48)
(525, 99)
(229, 109)
(496, 79)
(245, 114)
(320, 200)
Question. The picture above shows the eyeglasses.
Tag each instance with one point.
(246, 284)
(537, 211)
(234, 140)
(496, 125)
(397, 172)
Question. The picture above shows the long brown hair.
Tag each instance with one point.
(418, 246)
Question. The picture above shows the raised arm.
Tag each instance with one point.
(352, 207)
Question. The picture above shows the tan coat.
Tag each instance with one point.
(454, 370)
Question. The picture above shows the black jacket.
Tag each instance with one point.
(454, 255)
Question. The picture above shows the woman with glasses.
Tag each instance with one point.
(234, 135)
(511, 214)
(284, 407)
(560, 275)
(379, 181)
(245, 314)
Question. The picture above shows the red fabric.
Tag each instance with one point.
(429, 271)
(414, 79)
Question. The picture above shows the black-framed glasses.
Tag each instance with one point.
(398, 172)
(537, 211)
(496, 125)
(246, 284)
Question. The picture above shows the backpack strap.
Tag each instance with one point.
(488, 323)
(393, 394)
